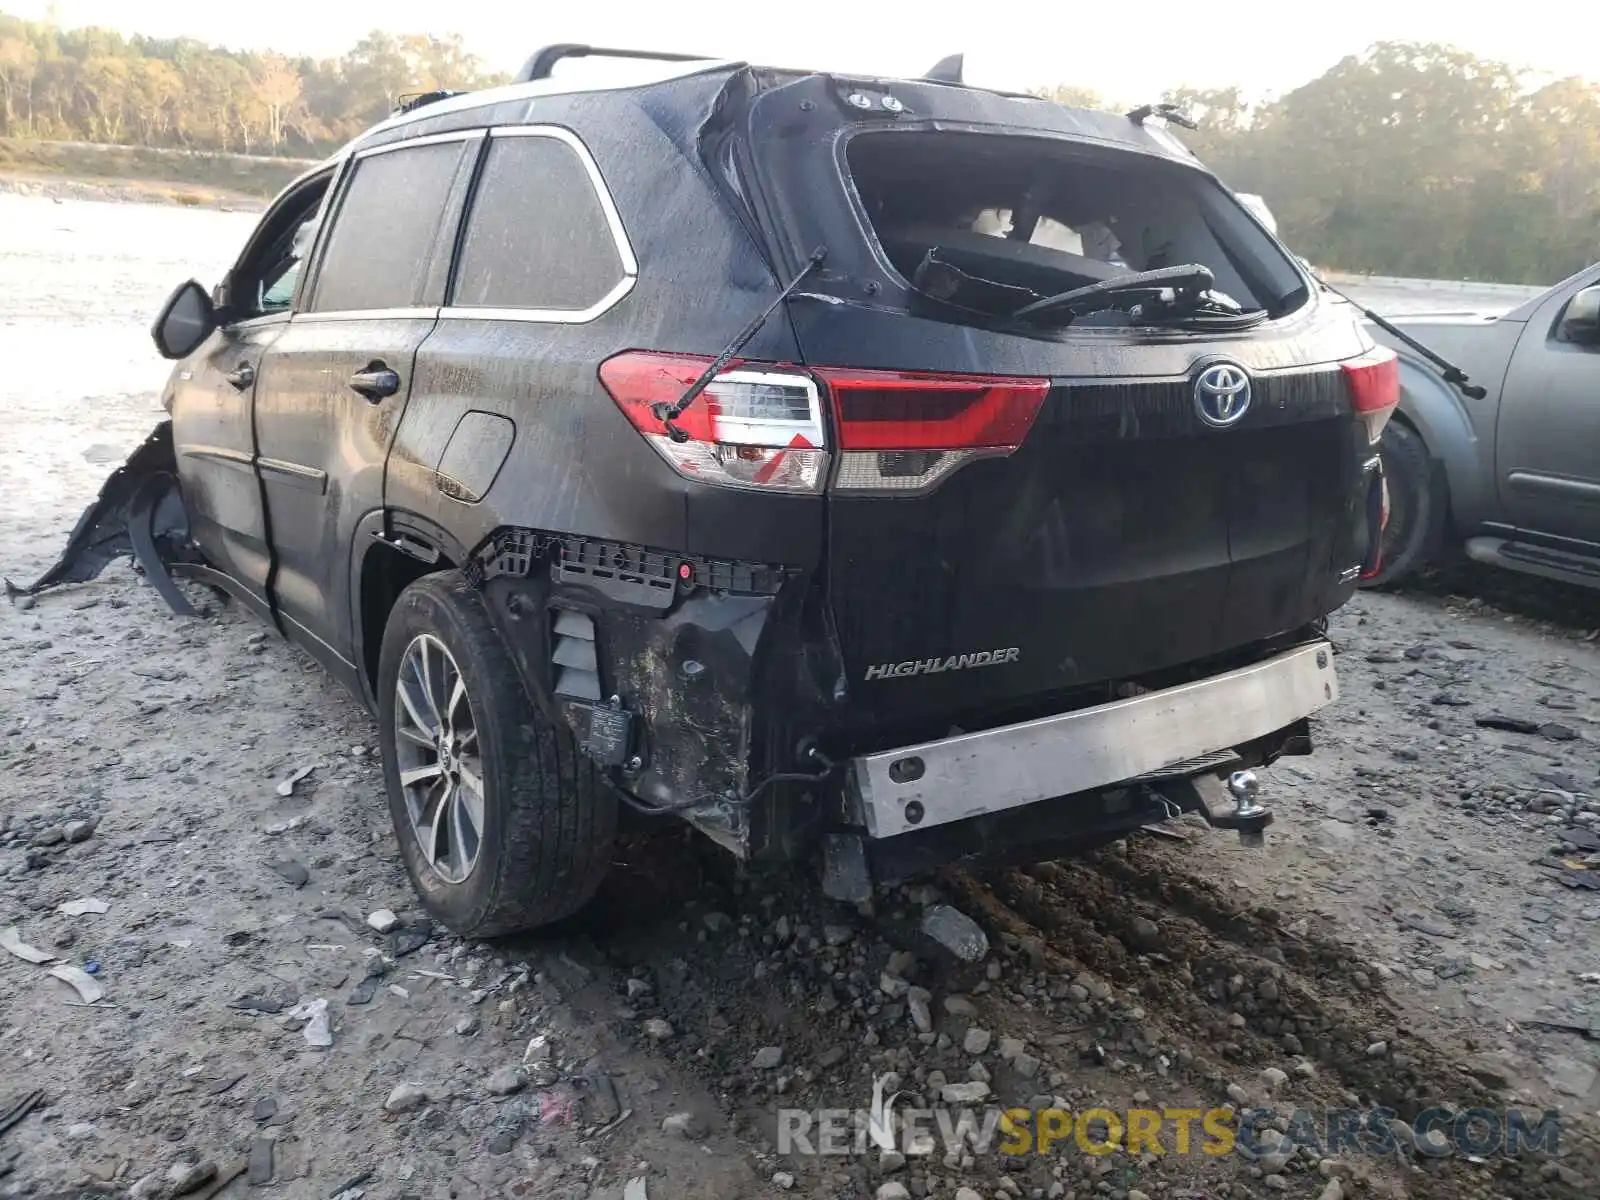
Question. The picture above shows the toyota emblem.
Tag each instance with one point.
(1222, 394)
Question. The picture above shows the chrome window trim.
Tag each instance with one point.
(613, 218)
(259, 321)
(367, 314)
(432, 139)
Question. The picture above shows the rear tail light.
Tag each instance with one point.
(752, 427)
(903, 431)
(1374, 383)
(761, 426)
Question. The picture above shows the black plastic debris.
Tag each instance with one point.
(1562, 781)
(258, 1004)
(295, 875)
(355, 1181)
(1583, 839)
(365, 990)
(1507, 724)
(24, 1104)
(410, 938)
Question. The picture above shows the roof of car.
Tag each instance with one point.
(636, 74)
(954, 101)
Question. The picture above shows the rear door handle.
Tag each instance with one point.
(377, 382)
(243, 377)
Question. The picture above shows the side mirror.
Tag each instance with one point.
(1581, 321)
(187, 319)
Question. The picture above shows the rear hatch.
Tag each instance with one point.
(1024, 508)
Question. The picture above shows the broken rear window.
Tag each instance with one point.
(989, 223)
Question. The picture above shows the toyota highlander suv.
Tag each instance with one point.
(877, 472)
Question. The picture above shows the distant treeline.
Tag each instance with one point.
(97, 85)
(1408, 159)
(1417, 160)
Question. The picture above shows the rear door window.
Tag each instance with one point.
(386, 249)
(543, 237)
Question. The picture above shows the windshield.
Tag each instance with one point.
(990, 224)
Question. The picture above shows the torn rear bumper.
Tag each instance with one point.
(918, 787)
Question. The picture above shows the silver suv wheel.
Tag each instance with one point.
(440, 760)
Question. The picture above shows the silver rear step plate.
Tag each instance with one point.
(934, 783)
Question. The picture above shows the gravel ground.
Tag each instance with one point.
(1417, 930)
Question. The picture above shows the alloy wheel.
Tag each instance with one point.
(440, 758)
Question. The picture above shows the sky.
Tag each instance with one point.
(1145, 47)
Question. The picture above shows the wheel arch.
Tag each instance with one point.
(1435, 413)
(389, 551)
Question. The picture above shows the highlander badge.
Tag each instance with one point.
(935, 666)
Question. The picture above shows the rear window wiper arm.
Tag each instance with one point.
(1169, 287)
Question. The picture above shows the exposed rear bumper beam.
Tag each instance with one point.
(933, 783)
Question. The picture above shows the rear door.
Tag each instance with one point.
(332, 387)
(543, 260)
(1548, 438)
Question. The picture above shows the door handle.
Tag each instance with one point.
(376, 382)
(243, 377)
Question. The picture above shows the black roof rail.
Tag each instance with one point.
(545, 58)
(410, 102)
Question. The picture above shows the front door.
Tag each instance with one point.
(211, 398)
(331, 389)
(1548, 439)
(213, 391)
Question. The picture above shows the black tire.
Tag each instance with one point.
(548, 817)
(1416, 506)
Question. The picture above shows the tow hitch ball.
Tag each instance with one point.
(1249, 816)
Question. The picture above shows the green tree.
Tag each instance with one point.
(95, 84)
(1417, 159)
(1406, 159)
(19, 60)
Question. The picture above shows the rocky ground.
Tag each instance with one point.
(1395, 943)
(277, 1017)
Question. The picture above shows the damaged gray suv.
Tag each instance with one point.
(876, 472)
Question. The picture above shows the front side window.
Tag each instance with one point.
(264, 281)
(277, 288)
(382, 249)
(539, 236)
